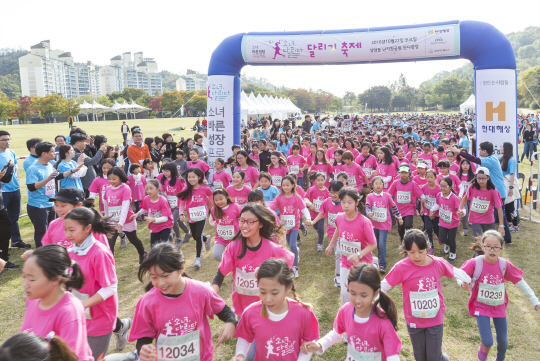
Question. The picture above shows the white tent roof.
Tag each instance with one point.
(262, 105)
(468, 104)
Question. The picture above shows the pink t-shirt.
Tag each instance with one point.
(380, 206)
(66, 319)
(354, 152)
(356, 175)
(306, 151)
(431, 198)
(295, 164)
(196, 204)
(227, 226)
(316, 196)
(55, 235)
(417, 279)
(386, 170)
(330, 153)
(375, 335)
(330, 212)
(326, 169)
(448, 217)
(278, 340)
(252, 175)
(99, 271)
(454, 168)
(482, 203)
(255, 157)
(200, 164)
(419, 180)
(158, 209)
(428, 158)
(454, 179)
(221, 180)
(239, 196)
(301, 192)
(98, 186)
(337, 168)
(287, 207)
(169, 191)
(360, 231)
(405, 196)
(277, 174)
(160, 317)
(368, 164)
(492, 275)
(115, 198)
(230, 263)
(137, 188)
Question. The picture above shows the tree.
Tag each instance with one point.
(25, 109)
(456, 90)
(71, 108)
(9, 84)
(104, 100)
(531, 78)
(155, 104)
(322, 100)
(398, 101)
(302, 99)
(172, 101)
(7, 107)
(49, 105)
(198, 102)
(409, 94)
(349, 98)
(337, 103)
(144, 100)
(376, 97)
(132, 93)
(528, 51)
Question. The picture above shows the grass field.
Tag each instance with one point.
(315, 284)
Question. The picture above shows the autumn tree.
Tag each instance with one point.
(7, 107)
(25, 109)
(49, 105)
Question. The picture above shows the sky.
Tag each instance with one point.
(182, 34)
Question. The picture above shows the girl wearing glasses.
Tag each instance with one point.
(489, 298)
(484, 197)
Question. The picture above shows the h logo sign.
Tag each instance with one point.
(500, 110)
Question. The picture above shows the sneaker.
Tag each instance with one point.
(298, 242)
(20, 245)
(186, 238)
(197, 263)
(122, 335)
(508, 243)
(319, 248)
(482, 353)
(171, 237)
(337, 282)
(304, 229)
(295, 270)
(207, 242)
(382, 269)
(431, 252)
(177, 242)
(143, 257)
(11, 266)
(123, 240)
(465, 232)
(376, 262)
(452, 257)
(446, 249)
(516, 228)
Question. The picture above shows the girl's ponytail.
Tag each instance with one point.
(389, 308)
(76, 279)
(90, 216)
(59, 350)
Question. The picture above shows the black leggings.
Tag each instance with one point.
(197, 230)
(41, 218)
(431, 225)
(132, 238)
(159, 237)
(511, 214)
(448, 236)
(407, 224)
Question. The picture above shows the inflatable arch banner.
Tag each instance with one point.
(481, 43)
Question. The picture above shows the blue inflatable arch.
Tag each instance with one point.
(485, 46)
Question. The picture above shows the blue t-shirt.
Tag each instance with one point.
(40, 197)
(316, 126)
(495, 173)
(5, 157)
(29, 162)
(270, 193)
(69, 182)
(285, 147)
(512, 167)
(464, 142)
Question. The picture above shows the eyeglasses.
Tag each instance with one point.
(249, 222)
(5, 140)
(482, 179)
(495, 249)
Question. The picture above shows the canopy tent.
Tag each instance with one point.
(94, 108)
(469, 106)
(118, 108)
(136, 108)
(252, 106)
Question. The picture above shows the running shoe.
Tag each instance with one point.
(207, 242)
(11, 266)
(337, 282)
(319, 248)
(446, 249)
(123, 240)
(122, 334)
(186, 238)
(452, 257)
(197, 263)
(142, 257)
(20, 245)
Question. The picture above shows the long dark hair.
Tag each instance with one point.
(249, 161)
(171, 167)
(281, 161)
(266, 219)
(186, 193)
(164, 255)
(62, 153)
(333, 162)
(353, 193)
(54, 261)
(86, 216)
(218, 212)
(470, 173)
(105, 161)
(30, 347)
(508, 153)
(387, 156)
(367, 274)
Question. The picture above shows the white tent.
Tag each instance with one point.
(94, 108)
(118, 109)
(252, 106)
(470, 105)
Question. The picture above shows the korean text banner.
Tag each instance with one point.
(425, 42)
(496, 107)
(220, 117)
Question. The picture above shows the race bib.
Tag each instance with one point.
(179, 348)
(114, 213)
(332, 219)
(352, 180)
(354, 355)
(429, 163)
(430, 202)
(446, 216)
(173, 201)
(218, 184)
(379, 215)
(479, 206)
(324, 174)
(347, 248)
(245, 283)
(492, 295)
(453, 172)
(295, 169)
(82, 297)
(50, 188)
(465, 186)
(225, 232)
(425, 304)
(288, 220)
(155, 215)
(197, 213)
(276, 180)
(367, 171)
(403, 197)
(317, 203)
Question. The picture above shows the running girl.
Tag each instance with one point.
(66, 163)
(297, 164)
(316, 196)
(357, 177)
(238, 191)
(277, 169)
(428, 210)
(220, 177)
(224, 217)
(337, 162)
(269, 191)
(137, 183)
(320, 165)
(249, 167)
(385, 167)
(447, 205)
(466, 176)
(196, 163)
(101, 182)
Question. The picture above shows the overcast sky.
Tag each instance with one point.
(182, 34)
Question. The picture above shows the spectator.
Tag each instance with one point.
(203, 154)
(125, 130)
(156, 154)
(6, 175)
(137, 152)
(463, 138)
(32, 158)
(264, 156)
(78, 142)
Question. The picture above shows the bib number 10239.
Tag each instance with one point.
(179, 348)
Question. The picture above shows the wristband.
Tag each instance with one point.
(359, 255)
(501, 225)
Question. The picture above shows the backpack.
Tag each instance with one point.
(480, 264)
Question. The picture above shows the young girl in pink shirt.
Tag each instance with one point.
(367, 161)
(117, 200)
(196, 199)
(447, 205)
(378, 206)
(277, 169)
(220, 177)
(371, 331)
(195, 162)
(277, 324)
(174, 311)
(357, 177)
(420, 177)
(98, 185)
(337, 162)
(249, 167)
(321, 165)
(423, 303)
(136, 182)
(290, 204)
(385, 167)
(297, 164)
(99, 294)
(157, 212)
(238, 191)
(444, 171)
(49, 307)
(466, 176)
(171, 184)
(316, 196)
(489, 298)
(224, 218)
(355, 235)
(428, 156)
(431, 219)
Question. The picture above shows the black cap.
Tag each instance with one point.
(68, 195)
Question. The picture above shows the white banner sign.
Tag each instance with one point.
(220, 117)
(496, 107)
(425, 42)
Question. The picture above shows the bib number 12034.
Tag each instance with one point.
(179, 348)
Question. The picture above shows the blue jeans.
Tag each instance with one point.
(300, 182)
(319, 227)
(381, 237)
(125, 136)
(487, 338)
(291, 241)
(528, 149)
(12, 202)
(507, 234)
